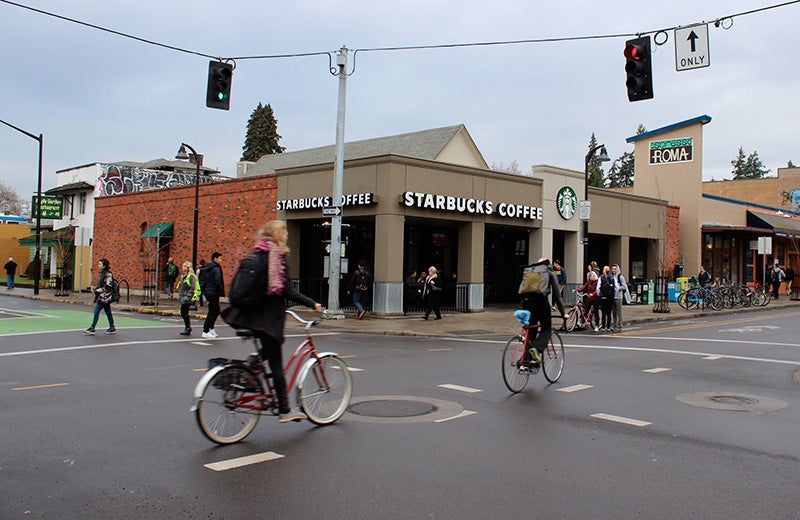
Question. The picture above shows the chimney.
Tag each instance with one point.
(198, 157)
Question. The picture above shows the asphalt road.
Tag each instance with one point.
(694, 419)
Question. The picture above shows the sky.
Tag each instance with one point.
(99, 97)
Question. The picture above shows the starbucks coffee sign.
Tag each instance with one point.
(567, 202)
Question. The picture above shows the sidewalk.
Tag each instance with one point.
(494, 321)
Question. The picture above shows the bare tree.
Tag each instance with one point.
(9, 200)
(512, 167)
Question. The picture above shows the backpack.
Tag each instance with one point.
(362, 283)
(172, 271)
(249, 286)
(114, 291)
(606, 287)
(202, 276)
(535, 279)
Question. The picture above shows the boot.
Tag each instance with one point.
(185, 332)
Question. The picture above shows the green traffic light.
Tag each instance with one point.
(221, 96)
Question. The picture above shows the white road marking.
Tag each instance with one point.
(465, 413)
(574, 388)
(354, 369)
(623, 420)
(225, 465)
(460, 388)
(202, 343)
(656, 370)
(713, 357)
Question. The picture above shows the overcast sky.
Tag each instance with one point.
(98, 97)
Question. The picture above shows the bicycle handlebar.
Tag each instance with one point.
(308, 323)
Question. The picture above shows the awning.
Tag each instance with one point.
(75, 187)
(780, 225)
(60, 237)
(163, 230)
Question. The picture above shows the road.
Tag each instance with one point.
(99, 427)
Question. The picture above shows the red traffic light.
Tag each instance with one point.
(634, 52)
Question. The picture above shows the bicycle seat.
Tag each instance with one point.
(245, 333)
(524, 317)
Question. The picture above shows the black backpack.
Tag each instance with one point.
(362, 284)
(249, 286)
(606, 287)
(202, 276)
(114, 291)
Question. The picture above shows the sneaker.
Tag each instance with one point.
(112, 330)
(597, 329)
(536, 358)
(214, 332)
(292, 417)
(207, 335)
(89, 331)
(185, 332)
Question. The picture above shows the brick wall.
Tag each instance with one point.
(230, 214)
(672, 238)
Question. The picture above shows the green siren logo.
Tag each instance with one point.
(567, 202)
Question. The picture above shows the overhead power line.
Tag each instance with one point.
(717, 22)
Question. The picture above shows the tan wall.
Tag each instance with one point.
(768, 191)
(679, 183)
(9, 247)
(718, 212)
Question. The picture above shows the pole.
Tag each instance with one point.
(196, 209)
(333, 311)
(585, 226)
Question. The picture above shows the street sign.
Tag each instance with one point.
(691, 47)
(51, 207)
(584, 209)
(764, 245)
(333, 211)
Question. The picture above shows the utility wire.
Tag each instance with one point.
(397, 48)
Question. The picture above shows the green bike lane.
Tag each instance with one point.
(57, 320)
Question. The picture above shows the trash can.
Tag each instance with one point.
(673, 291)
(651, 292)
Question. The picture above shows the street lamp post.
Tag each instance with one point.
(182, 155)
(603, 157)
(37, 259)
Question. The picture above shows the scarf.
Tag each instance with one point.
(276, 265)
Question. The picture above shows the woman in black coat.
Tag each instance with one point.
(268, 319)
(432, 289)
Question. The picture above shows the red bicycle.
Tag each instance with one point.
(516, 370)
(231, 397)
(578, 316)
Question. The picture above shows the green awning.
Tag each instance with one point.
(60, 237)
(163, 230)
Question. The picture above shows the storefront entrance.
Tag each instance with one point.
(505, 254)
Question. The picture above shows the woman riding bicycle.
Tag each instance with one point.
(534, 299)
(267, 320)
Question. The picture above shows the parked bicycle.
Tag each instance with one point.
(580, 315)
(231, 397)
(516, 370)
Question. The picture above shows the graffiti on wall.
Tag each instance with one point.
(116, 179)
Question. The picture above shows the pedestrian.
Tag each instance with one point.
(619, 294)
(703, 277)
(606, 287)
(170, 275)
(213, 288)
(267, 320)
(411, 278)
(592, 268)
(789, 274)
(188, 292)
(561, 275)
(11, 270)
(775, 277)
(200, 275)
(432, 294)
(360, 283)
(589, 289)
(103, 293)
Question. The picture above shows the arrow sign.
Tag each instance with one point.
(692, 37)
(691, 47)
(333, 211)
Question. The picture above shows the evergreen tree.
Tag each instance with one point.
(262, 134)
(749, 167)
(596, 174)
(790, 164)
(620, 175)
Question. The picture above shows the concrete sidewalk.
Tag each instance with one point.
(494, 321)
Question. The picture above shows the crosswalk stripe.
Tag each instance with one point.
(460, 388)
(574, 388)
(225, 465)
(623, 420)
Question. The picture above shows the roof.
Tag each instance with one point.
(166, 164)
(75, 187)
(424, 144)
(675, 126)
(64, 236)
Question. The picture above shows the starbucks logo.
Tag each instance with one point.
(567, 202)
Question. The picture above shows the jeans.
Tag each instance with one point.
(271, 351)
(107, 308)
(213, 312)
(185, 315)
(606, 304)
(616, 314)
(10, 281)
(358, 299)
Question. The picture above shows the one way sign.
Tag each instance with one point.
(691, 47)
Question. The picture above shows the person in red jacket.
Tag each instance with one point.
(592, 298)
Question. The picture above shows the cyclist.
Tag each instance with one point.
(539, 280)
(267, 319)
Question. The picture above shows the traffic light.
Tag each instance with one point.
(218, 92)
(639, 69)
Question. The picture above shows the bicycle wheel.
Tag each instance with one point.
(515, 376)
(765, 298)
(553, 358)
(683, 300)
(224, 411)
(572, 319)
(325, 389)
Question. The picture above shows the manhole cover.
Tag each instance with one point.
(731, 402)
(392, 408)
(401, 409)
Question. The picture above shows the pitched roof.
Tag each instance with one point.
(424, 144)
